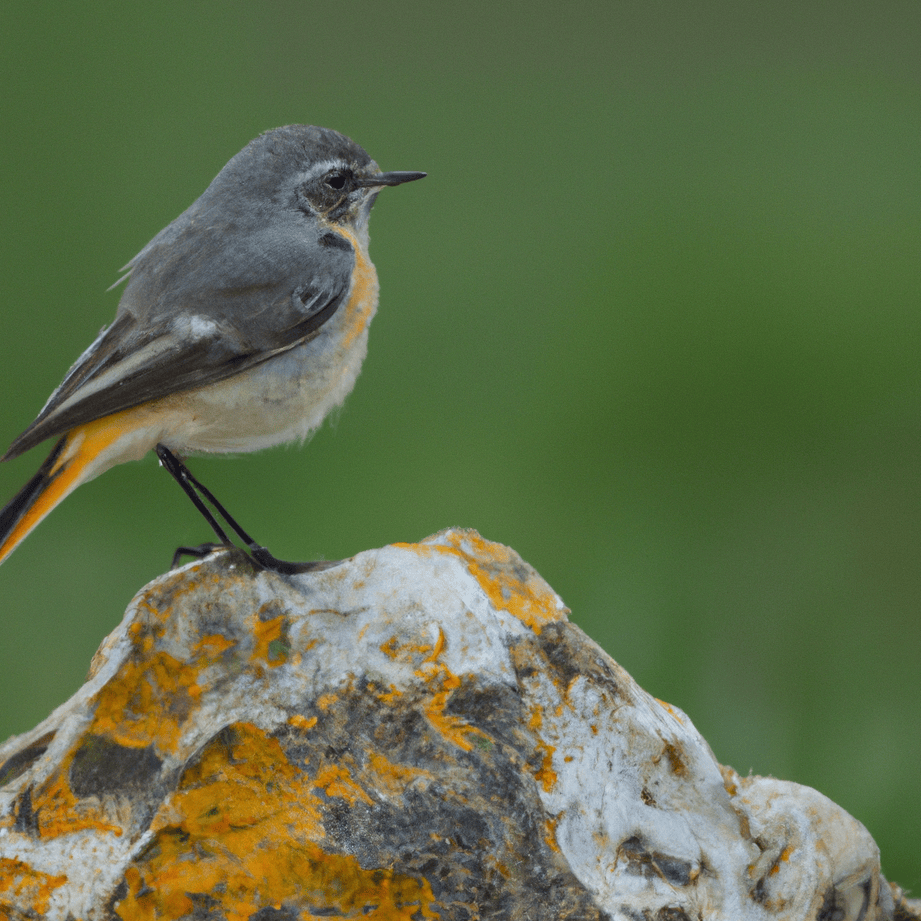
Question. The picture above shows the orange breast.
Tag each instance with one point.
(363, 299)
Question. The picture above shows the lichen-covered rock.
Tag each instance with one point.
(414, 733)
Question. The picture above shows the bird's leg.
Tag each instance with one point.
(180, 473)
(259, 553)
(197, 553)
(183, 476)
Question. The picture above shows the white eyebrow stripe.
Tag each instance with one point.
(318, 169)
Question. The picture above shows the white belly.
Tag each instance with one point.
(283, 399)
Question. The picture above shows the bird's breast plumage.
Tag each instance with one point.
(286, 397)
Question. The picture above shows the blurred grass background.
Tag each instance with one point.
(653, 320)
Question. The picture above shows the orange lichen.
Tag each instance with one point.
(454, 729)
(269, 640)
(325, 701)
(670, 710)
(675, 758)
(154, 692)
(509, 583)
(545, 775)
(59, 811)
(243, 832)
(21, 885)
(335, 780)
(212, 647)
(441, 683)
(391, 648)
(390, 778)
(500, 867)
(438, 647)
(783, 858)
(730, 780)
(169, 589)
(550, 832)
(390, 696)
(147, 702)
(302, 722)
(418, 653)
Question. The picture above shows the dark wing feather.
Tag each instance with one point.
(170, 363)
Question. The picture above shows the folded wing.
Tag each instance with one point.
(133, 362)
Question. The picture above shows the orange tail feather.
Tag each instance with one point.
(38, 497)
(80, 455)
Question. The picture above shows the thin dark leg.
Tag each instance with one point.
(190, 484)
(210, 497)
(258, 552)
(181, 475)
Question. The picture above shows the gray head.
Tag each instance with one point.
(313, 169)
(264, 220)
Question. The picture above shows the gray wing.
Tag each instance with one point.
(155, 348)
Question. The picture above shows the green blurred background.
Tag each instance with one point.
(653, 320)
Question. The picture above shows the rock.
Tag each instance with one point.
(417, 732)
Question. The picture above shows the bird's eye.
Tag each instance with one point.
(327, 191)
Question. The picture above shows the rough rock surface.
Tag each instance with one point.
(417, 732)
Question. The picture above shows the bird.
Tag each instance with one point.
(242, 324)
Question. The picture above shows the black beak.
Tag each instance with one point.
(382, 179)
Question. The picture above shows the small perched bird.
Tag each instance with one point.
(242, 324)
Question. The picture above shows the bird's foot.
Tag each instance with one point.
(197, 553)
(265, 559)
